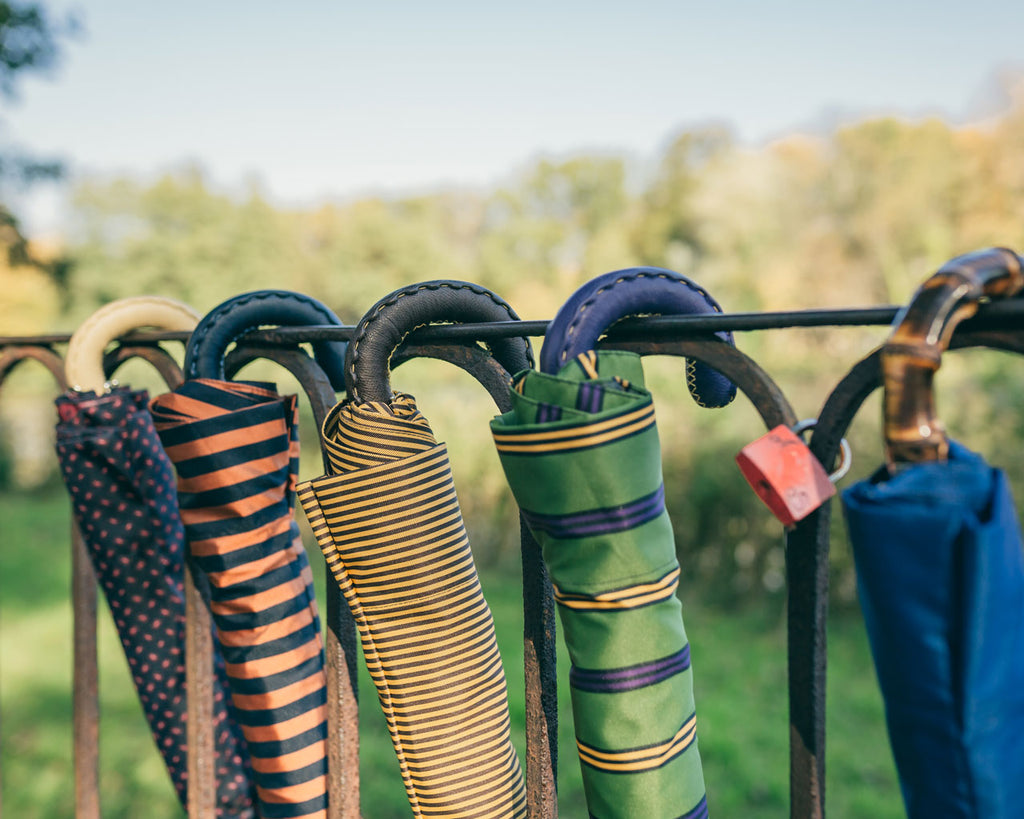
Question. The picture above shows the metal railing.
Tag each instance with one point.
(998, 326)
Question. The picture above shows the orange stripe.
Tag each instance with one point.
(289, 728)
(237, 509)
(263, 664)
(192, 408)
(267, 633)
(294, 794)
(254, 568)
(237, 473)
(230, 543)
(289, 693)
(268, 598)
(289, 762)
(230, 439)
(273, 665)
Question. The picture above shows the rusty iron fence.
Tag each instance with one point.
(997, 325)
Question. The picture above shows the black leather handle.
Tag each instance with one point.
(602, 301)
(389, 321)
(226, 323)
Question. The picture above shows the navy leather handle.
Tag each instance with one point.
(226, 323)
(389, 321)
(602, 301)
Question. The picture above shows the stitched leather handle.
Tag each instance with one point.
(83, 365)
(389, 321)
(226, 323)
(602, 301)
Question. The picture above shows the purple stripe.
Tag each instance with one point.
(699, 812)
(630, 678)
(589, 397)
(630, 685)
(600, 521)
(548, 412)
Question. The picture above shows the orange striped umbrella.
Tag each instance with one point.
(236, 449)
(389, 524)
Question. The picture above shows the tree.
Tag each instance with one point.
(30, 42)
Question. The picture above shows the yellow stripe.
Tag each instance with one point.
(588, 362)
(644, 411)
(580, 443)
(632, 597)
(639, 760)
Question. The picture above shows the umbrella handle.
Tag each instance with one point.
(386, 324)
(84, 364)
(602, 301)
(228, 321)
(921, 332)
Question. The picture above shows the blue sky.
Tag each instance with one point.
(322, 100)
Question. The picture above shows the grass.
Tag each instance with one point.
(740, 678)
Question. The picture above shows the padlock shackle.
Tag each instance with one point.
(920, 334)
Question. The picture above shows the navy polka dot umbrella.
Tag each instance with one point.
(123, 498)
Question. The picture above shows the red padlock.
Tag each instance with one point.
(785, 474)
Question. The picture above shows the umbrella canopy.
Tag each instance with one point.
(389, 524)
(940, 574)
(122, 491)
(236, 449)
(941, 582)
(580, 450)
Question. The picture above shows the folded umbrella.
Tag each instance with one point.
(580, 450)
(389, 525)
(235, 447)
(940, 573)
(122, 491)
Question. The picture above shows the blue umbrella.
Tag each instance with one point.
(940, 571)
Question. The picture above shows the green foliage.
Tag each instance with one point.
(856, 217)
(30, 42)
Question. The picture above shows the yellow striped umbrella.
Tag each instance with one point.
(389, 524)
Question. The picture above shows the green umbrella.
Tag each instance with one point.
(581, 452)
(389, 524)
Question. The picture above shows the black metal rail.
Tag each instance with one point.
(997, 325)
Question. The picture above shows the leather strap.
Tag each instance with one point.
(389, 321)
(83, 365)
(606, 299)
(226, 323)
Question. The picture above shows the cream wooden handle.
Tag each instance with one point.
(83, 365)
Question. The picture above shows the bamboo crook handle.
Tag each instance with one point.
(921, 333)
